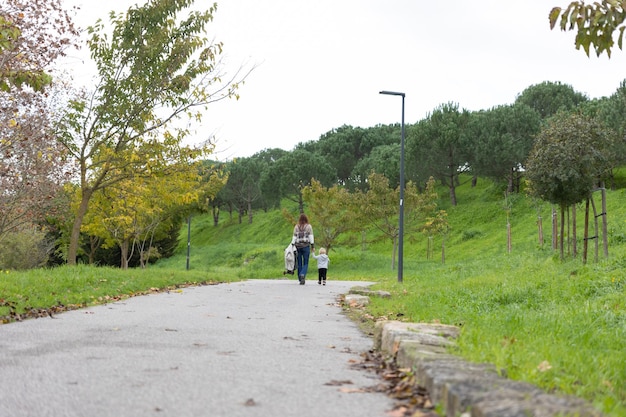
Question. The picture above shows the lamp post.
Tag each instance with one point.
(188, 240)
(401, 216)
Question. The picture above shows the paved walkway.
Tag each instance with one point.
(254, 348)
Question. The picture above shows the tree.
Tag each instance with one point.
(383, 159)
(32, 36)
(548, 98)
(378, 207)
(31, 162)
(243, 184)
(342, 149)
(436, 147)
(568, 159)
(436, 224)
(612, 111)
(331, 211)
(287, 177)
(154, 69)
(595, 24)
(502, 138)
(133, 213)
(214, 178)
(268, 157)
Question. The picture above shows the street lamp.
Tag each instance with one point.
(401, 221)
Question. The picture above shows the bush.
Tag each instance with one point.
(26, 249)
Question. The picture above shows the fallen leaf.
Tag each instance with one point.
(397, 412)
(544, 366)
(351, 390)
(337, 383)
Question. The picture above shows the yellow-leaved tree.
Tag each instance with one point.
(135, 212)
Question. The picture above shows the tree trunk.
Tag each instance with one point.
(216, 216)
(568, 234)
(124, 254)
(540, 230)
(72, 251)
(443, 250)
(94, 244)
(595, 225)
(586, 233)
(562, 237)
(605, 234)
(508, 237)
(249, 211)
(452, 193)
(300, 203)
(574, 244)
(393, 256)
(555, 230)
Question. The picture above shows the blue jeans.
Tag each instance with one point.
(302, 259)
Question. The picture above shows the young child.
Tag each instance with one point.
(322, 265)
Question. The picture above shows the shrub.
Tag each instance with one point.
(26, 249)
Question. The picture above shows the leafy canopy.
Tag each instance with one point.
(595, 24)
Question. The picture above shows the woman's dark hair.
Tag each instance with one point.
(303, 219)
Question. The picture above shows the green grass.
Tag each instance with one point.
(558, 324)
(25, 292)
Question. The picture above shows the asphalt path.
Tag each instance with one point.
(252, 348)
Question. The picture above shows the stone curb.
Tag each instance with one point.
(463, 388)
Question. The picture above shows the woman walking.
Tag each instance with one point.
(304, 241)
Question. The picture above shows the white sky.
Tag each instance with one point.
(321, 64)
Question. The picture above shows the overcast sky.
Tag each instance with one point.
(320, 65)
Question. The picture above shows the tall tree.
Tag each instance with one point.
(268, 157)
(612, 111)
(341, 147)
(547, 98)
(243, 184)
(155, 68)
(291, 173)
(437, 147)
(32, 36)
(502, 138)
(383, 159)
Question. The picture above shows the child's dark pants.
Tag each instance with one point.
(322, 274)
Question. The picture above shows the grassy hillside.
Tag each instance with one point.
(558, 324)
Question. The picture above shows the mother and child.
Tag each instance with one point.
(304, 241)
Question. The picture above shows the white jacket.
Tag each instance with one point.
(322, 260)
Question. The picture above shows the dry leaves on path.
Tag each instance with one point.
(411, 399)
